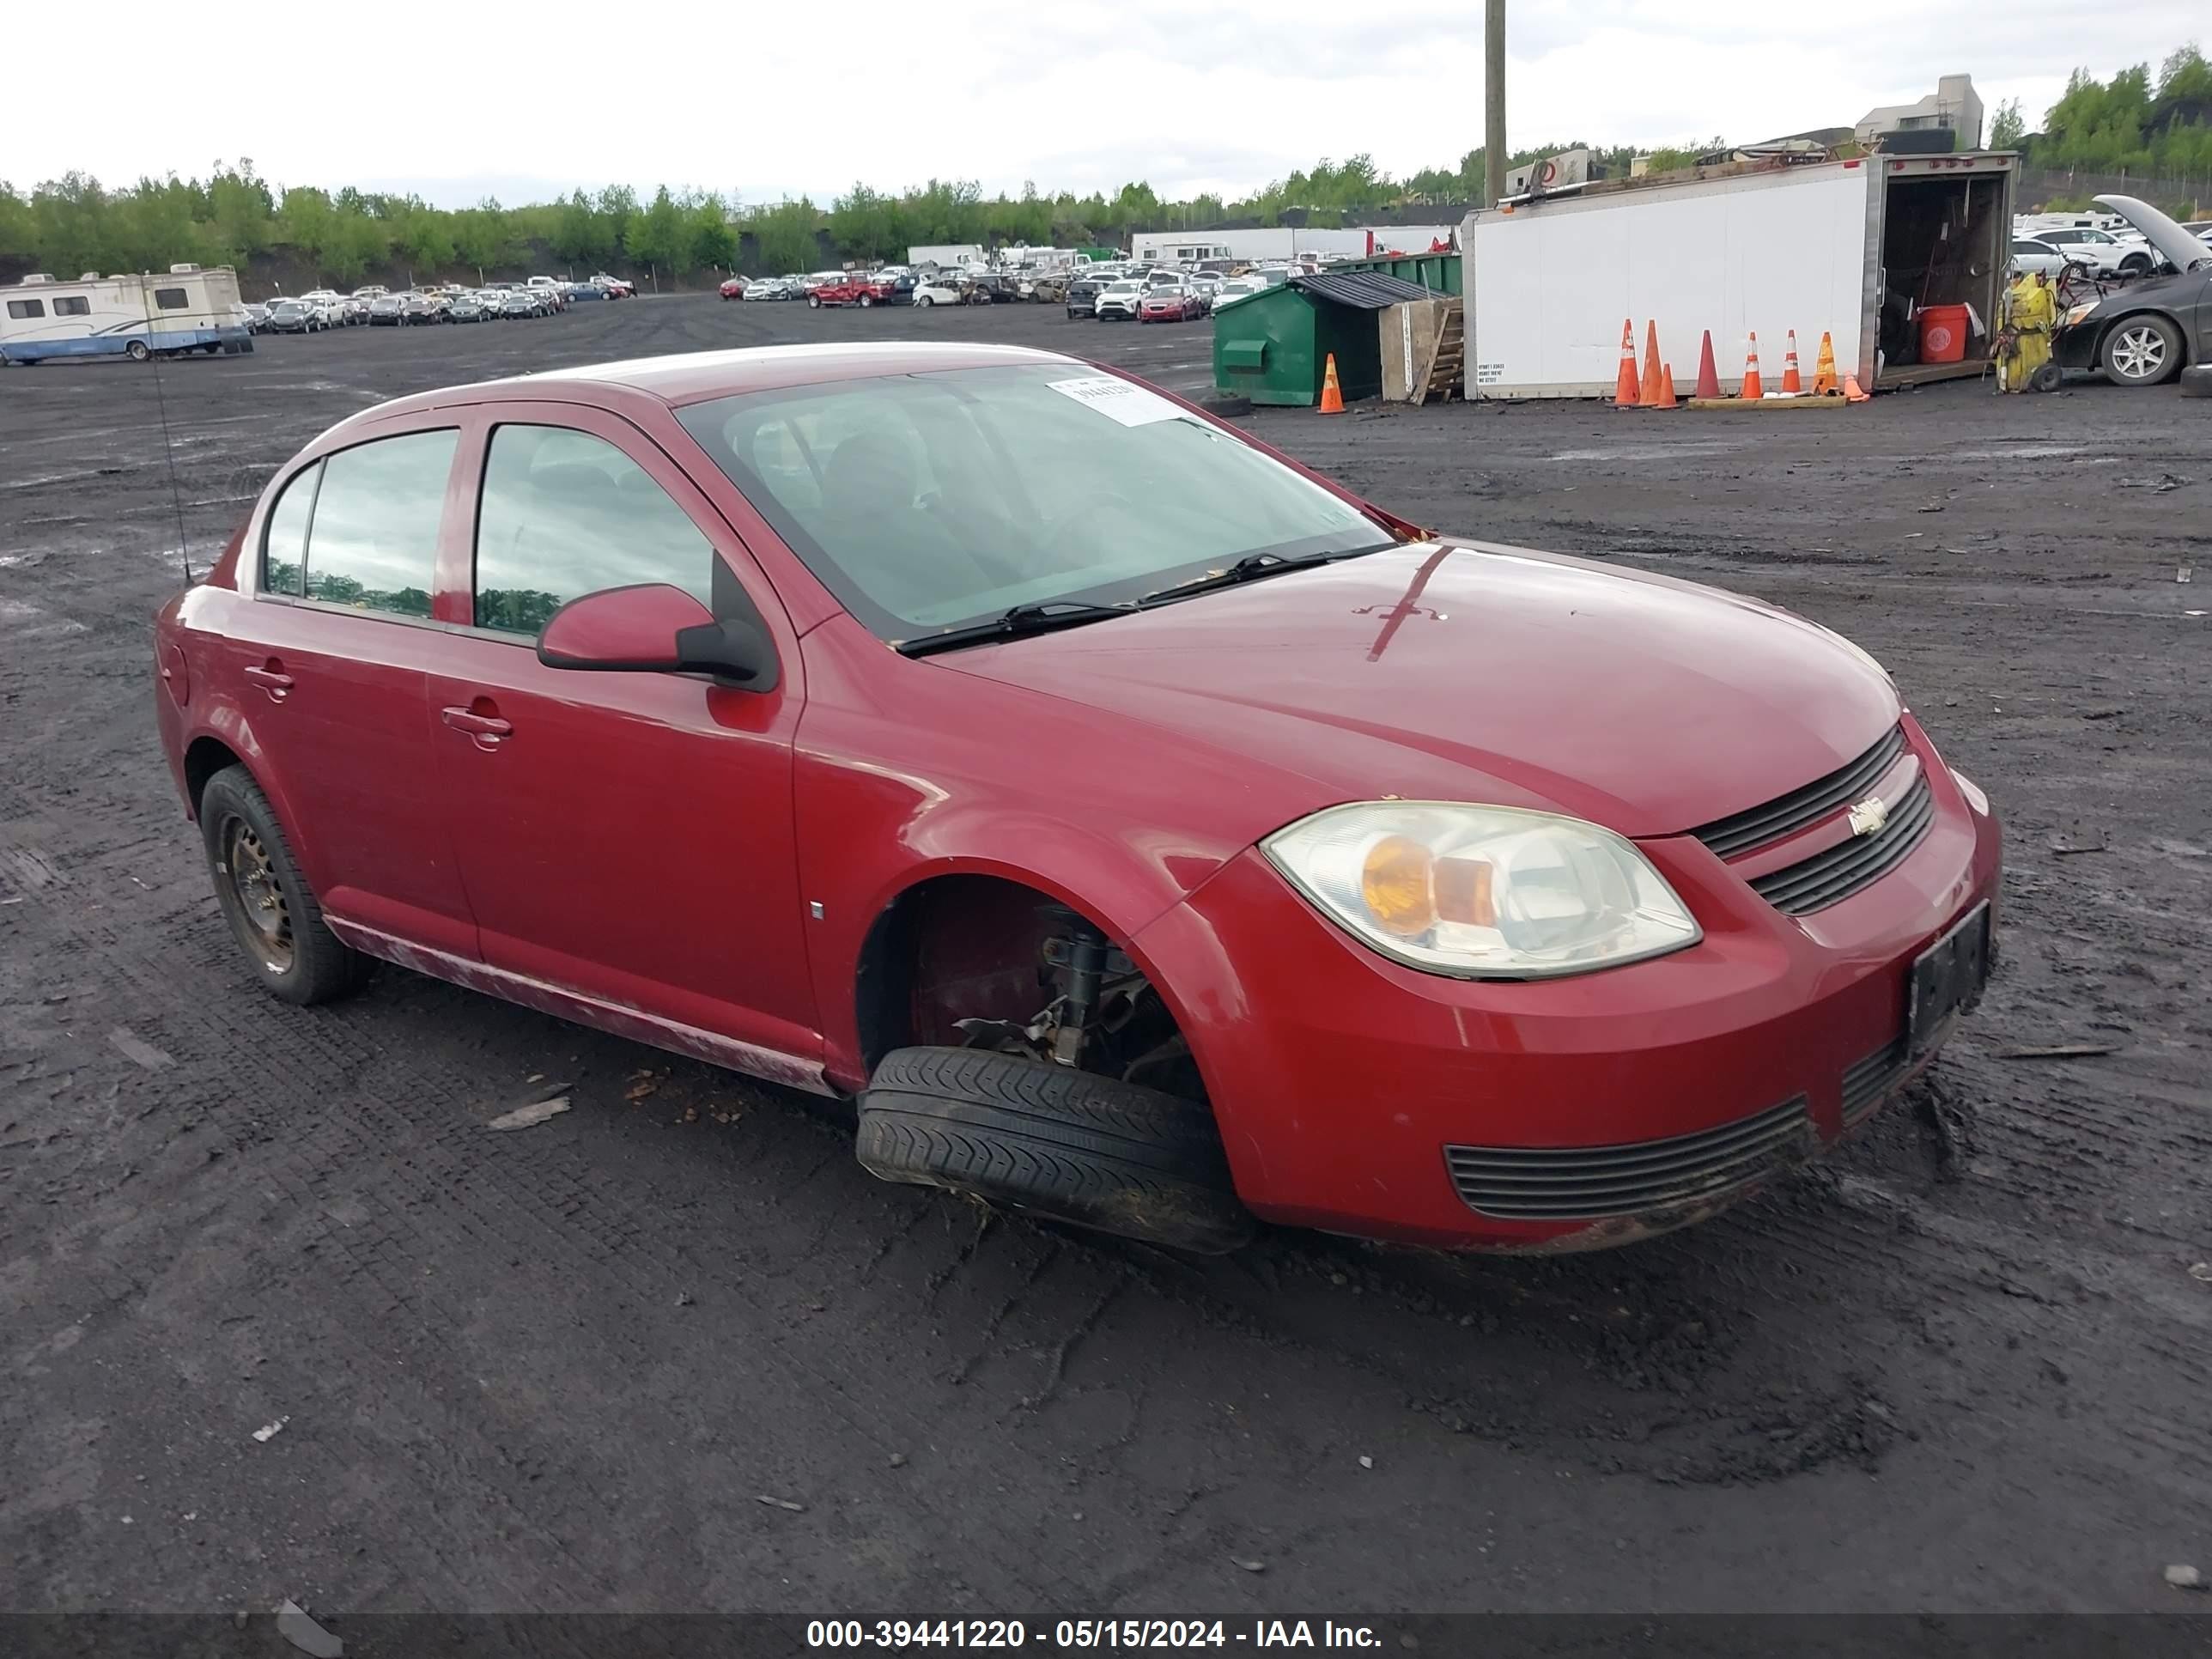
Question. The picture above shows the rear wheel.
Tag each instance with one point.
(1070, 1146)
(924, 300)
(272, 911)
(138, 352)
(2142, 351)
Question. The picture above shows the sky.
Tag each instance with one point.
(758, 101)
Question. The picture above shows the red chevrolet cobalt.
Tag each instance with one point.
(1149, 833)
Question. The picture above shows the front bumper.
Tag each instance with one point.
(1348, 1087)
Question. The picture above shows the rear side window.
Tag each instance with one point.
(565, 513)
(72, 304)
(372, 539)
(170, 298)
(19, 309)
(284, 543)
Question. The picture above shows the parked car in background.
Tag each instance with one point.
(419, 309)
(1120, 300)
(467, 308)
(255, 316)
(770, 288)
(732, 288)
(1082, 299)
(2031, 254)
(2103, 252)
(519, 302)
(1170, 305)
(614, 288)
(295, 317)
(938, 288)
(845, 291)
(1239, 287)
(2143, 334)
(387, 309)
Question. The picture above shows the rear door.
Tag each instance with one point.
(627, 837)
(328, 664)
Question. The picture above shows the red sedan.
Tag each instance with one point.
(1170, 305)
(1152, 833)
(733, 288)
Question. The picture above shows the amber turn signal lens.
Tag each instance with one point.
(1462, 887)
(1394, 883)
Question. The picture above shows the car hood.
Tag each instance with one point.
(1464, 671)
(2180, 249)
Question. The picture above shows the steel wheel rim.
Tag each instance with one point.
(261, 903)
(2140, 353)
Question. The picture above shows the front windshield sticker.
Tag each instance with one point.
(1118, 400)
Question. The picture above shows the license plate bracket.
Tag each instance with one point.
(1946, 980)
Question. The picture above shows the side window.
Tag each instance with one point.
(372, 544)
(170, 298)
(565, 513)
(284, 543)
(19, 309)
(72, 304)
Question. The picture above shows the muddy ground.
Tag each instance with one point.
(561, 1368)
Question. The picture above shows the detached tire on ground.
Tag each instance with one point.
(1059, 1143)
(1226, 408)
(2196, 382)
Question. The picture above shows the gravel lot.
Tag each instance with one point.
(1963, 1369)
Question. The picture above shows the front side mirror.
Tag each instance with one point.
(655, 628)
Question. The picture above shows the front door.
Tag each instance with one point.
(624, 835)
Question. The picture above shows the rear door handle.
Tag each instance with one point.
(485, 728)
(275, 683)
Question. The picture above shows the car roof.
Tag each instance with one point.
(695, 377)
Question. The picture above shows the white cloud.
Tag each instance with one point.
(761, 98)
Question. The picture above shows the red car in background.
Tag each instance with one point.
(850, 291)
(1170, 305)
(1151, 833)
(733, 288)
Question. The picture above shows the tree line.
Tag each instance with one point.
(2157, 125)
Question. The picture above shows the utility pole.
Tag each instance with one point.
(1493, 100)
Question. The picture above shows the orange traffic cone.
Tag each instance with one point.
(1708, 379)
(1648, 393)
(1666, 388)
(1851, 393)
(1792, 381)
(1626, 392)
(1331, 394)
(1752, 390)
(1824, 371)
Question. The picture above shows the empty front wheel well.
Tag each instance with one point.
(969, 948)
(205, 758)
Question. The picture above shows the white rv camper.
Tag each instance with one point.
(187, 309)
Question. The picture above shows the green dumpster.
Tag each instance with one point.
(1273, 347)
(1439, 272)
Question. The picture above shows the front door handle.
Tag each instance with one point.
(275, 682)
(486, 729)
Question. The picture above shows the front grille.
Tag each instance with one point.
(1829, 877)
(1589, 1183)
(1867, 1082)
(1787, 814)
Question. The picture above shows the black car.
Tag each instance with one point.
(1083, 296)
(2147, 332)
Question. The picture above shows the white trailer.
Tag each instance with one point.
(186, 309)
(1853, 248)
(1276, 242)
(946, 256)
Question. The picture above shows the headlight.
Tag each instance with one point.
(1482, 892)
(2075, 313)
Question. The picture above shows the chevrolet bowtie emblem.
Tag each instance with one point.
(1869, 816)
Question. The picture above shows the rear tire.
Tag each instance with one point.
(272, 912)
(1069, 1145)
(138, 352)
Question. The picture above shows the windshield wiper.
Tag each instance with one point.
(1250, 567)
(1021, 620)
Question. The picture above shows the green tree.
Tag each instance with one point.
(2007, 127)
(711, 241)
(784, 236)
(656, 237)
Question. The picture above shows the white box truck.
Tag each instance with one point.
(1857, 248)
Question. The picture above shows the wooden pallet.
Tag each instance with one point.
(1445, 377)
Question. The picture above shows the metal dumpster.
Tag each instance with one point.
(1438, 271)
(1273, 347)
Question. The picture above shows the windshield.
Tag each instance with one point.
(927, 501)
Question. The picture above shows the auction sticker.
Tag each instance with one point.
(1118, 400)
